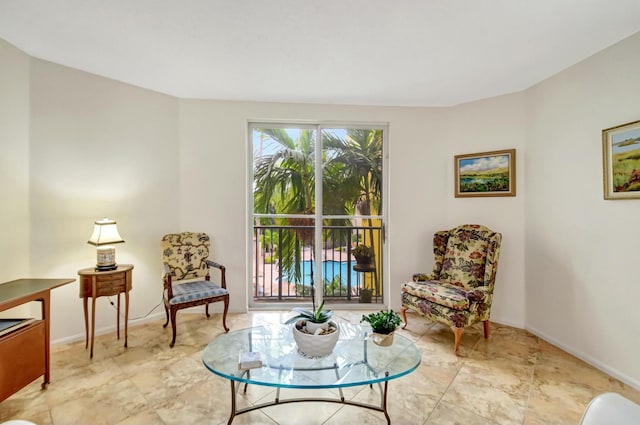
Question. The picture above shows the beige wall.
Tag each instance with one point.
(214, 147)
(99, 148)
(158, 164)
(583, 284)
(14, 162)
(493, 124)
(214, 151)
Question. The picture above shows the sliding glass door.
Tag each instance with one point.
(317, 195)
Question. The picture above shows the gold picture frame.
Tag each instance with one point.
(486, 174)
(621, 161)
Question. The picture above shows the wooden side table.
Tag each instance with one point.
(96, 284)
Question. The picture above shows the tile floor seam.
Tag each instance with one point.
(531, 380)
(329, 418)
(147, 400)
(435, 407)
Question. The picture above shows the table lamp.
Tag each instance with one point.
(105, 233)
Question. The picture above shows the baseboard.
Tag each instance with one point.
(499, 321)
(588, 359)
(108, 329)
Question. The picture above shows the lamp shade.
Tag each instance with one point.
(105, 232)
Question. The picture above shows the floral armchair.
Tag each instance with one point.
(185, 257)
(459, 291)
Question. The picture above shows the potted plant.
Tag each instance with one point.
(363, 253)
(364, 257)
(365, 295)
(314, 331)
(383, 323)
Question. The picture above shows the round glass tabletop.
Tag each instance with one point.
(355, 360)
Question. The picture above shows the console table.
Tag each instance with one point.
(25, 351)
(94, 284)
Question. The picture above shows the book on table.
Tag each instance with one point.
(249, 360)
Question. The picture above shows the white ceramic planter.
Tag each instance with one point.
(311, 345)
(384, 340)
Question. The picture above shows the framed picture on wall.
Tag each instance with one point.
(486, 174)
(621, 161)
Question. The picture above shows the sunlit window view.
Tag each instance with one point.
(285, 200)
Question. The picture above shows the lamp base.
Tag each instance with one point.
(106, 258)
(106, 268)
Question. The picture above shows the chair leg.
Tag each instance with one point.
(458, 335)
(206, 310)
(403, 311)
(173, 326)
(224, 314)
(486, 328)
(166, 312)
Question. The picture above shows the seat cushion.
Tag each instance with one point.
(442, 293)
(193, 291)
(465, 257)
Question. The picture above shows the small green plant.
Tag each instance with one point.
(333, 286)
(363, 251)
(383, 322)
(318, 316)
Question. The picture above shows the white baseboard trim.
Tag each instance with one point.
(507, 323)
(108, 329)
(588, 359)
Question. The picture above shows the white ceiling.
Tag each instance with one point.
(364, 52)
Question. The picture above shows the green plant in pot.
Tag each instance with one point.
(363, 253)
(320, 317)
(383, 323)
(365, 295)
(314, 331)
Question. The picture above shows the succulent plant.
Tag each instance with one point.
(315, 316)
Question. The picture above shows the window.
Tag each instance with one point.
(317, 194)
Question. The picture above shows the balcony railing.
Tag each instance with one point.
(273, 281)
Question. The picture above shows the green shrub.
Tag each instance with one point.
(383, 322)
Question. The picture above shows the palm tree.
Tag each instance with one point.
(285, 179)
(355, 161)
(284, 183)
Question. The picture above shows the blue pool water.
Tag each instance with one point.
(330, 269)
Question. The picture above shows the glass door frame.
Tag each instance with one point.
(318, 126)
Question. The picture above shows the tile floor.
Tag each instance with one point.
(511, 378)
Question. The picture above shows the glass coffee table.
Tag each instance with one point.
(355, 361)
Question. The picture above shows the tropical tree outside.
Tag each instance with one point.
(284, 184)
(355, 159)
(354, 165)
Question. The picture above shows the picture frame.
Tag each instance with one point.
(490, 173)
(621, 161)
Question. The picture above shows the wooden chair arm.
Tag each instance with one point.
(166, 279)
(223, 274)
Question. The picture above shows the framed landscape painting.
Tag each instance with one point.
(621, 161)
(486, 174)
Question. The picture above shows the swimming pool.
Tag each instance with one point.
(330, 269)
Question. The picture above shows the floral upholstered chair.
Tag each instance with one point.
(459, 291)
(185, 257)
